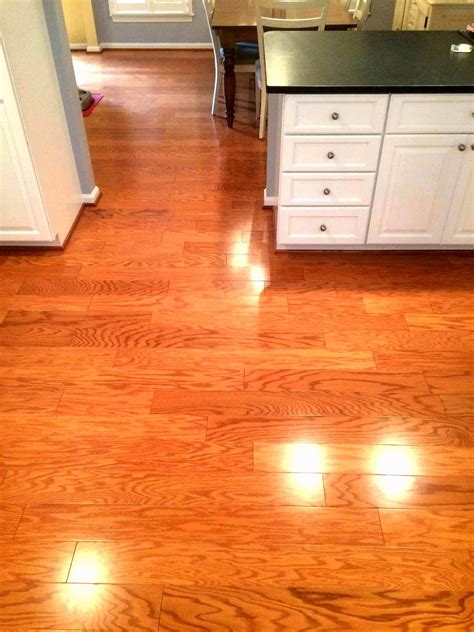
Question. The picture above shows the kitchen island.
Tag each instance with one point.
(371, 140)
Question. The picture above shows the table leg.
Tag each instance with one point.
(229, 84)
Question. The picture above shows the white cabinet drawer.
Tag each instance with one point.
(326, 189)
(334, 114)
(322, 226)
(330, 153)
(434, 113)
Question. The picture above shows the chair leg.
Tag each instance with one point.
(217, 89)
(263, 115)
(258, 97)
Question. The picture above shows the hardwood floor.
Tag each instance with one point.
(201, 434)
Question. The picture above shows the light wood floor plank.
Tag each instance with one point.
(223, 525)
(325, 569)
(364, 459)
(273, 610)
(433, 527)
(368, 490)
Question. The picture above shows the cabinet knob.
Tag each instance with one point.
(461, 147)
(323, 228)
(330, 155)
(335, 116)
(327, 191)
(472, 147)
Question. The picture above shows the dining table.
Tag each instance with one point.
(236, 21)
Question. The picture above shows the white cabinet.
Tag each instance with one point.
(22, 212)
(416, 183)
(407, 182)
(460, 225)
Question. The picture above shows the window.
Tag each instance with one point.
(151, 10)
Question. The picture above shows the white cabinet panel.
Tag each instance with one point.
(330, 153)
(460, 226)
(326, 189)
(334, 114)
(322, 226)
(435, 113)
(23, 216)
(416, 182)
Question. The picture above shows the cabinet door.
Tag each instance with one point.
(22, 213)
(460, 226)
(415, 187)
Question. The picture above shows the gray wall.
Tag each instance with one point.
(150, 32)
(67, 84)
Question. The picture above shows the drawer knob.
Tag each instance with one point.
(334, 116)
(461, 147)
(327, 191)
(323, 228)
(330, 155)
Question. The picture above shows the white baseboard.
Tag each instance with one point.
(92, 197)
(78, 46)
(157, 45)
(269, 200)
(94, 49)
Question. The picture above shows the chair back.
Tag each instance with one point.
(289, 15)
(216, 44)
(361, 13)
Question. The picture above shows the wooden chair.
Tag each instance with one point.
(246, 55)
(282, 14)
(361, 13)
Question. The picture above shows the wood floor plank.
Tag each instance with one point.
(107, 399)
(424, 360)
(249, 359)
(427, 344)
(274, 610)
(30, 605)
(440, 322)
(444, 382)
(433, 527)
(458, 405)
(178, 457)
(79, 428)
(39, 562)
(222, 525)
(384, 302)
(65, 286)
(30, 398)
(325, 569)
(345, 430)
(358, 382)
(315, 403)
(138, 486)
(9, 519)
(368, 490)
(364, 459)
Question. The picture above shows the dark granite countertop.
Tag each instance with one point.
(366, 62)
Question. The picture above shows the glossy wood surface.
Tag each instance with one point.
(198, 433)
